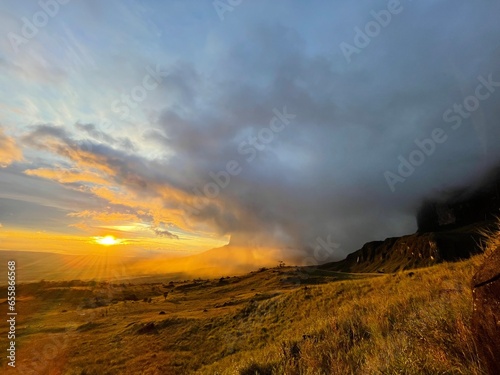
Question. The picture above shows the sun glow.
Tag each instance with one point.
(107, 241)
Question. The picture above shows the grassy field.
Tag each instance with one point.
(275, 321)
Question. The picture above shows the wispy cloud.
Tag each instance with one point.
(9, 150)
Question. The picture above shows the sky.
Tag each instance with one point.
(181, 126)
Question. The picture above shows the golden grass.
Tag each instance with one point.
(492, 236)
(395, 324)
(278, 321)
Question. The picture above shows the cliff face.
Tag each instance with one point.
(412, 251)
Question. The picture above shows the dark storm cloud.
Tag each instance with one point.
(323, 173)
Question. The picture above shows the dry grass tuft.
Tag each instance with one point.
(492, 237)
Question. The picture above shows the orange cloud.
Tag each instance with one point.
(89, 159)
(9, 151)
(67, 176)
(155, 206)
(112, 176)
(56, 140)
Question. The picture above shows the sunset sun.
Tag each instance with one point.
(107, 241)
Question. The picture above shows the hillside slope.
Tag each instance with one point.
(411, 323)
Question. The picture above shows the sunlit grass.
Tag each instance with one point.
(395, 324)
(273, 322)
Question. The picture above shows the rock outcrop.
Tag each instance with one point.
(412, 251)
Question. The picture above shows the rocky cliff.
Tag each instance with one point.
(412, 251)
